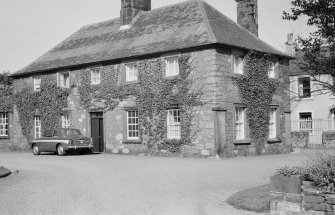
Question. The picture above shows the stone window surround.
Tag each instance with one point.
(5, 116)
(235, 54)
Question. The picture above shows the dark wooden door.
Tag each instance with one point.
(97, 131)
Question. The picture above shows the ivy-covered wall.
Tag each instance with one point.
(219, 92)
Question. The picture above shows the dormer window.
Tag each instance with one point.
(37, 84)
(272, 72)
(131, 72)
(172, 66)
(95, 76)
(63, 79)
(238, 65)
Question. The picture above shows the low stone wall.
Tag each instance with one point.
(294, 196)
(300, 139)
(328, 139)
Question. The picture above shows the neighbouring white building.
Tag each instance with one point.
(312, 108)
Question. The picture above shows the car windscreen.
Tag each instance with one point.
(73, 132)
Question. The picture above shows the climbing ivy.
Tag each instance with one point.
(6, 100)
(257, 91)
(153, 94)
(48, 104)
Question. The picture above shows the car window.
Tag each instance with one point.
(55, 133)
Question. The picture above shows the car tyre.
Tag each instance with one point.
(60, 150)
(36, 150)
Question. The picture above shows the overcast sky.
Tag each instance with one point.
(29, 28)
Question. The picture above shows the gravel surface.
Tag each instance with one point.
(116, 184)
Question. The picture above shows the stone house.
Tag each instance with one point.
(192, 28)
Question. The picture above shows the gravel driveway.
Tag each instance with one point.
(115, 184)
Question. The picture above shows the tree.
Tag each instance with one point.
(318, 49)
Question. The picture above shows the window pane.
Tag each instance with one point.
(132, 124)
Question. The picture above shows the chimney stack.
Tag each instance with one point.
(247, 15)
(130, 8)
(290, 45)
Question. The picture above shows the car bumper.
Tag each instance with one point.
(80, 147)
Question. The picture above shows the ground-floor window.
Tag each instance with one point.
(240, 123)
(37, 127)
(3, 125)
(132, 125)
(65, 121)
(173, 124)
(273, 123)
(305, 121)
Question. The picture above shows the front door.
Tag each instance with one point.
(97, 131)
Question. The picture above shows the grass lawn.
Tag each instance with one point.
(255, 199)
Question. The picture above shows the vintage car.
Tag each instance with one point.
(62, 140)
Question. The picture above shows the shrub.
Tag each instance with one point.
(320, 169)
(288, 171)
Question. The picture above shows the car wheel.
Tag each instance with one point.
(60, 150)
(36, 150)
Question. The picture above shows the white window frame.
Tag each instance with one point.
(238, 64)
(132, 125)
(4, 125)
(272, 70)
(62, 81)
(301, 87)
(66, 121)
(95, 76)
(273, 123)
(37, 84)
(131, 72)
(173, 124)
(173, 70)
(37, 127)
(240, 123)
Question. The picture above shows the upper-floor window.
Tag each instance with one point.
(173, 124)
(63, 79)
(240, 123)
(132, 125)
(238, 65)
(37, 84)
(65, 121)
(3, 125)
(172, 66)
(95, 76)
(273, 123)
(272, 71)
(37, 127)
(304, 87)
(131, 72)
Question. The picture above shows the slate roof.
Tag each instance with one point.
(184, 25)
